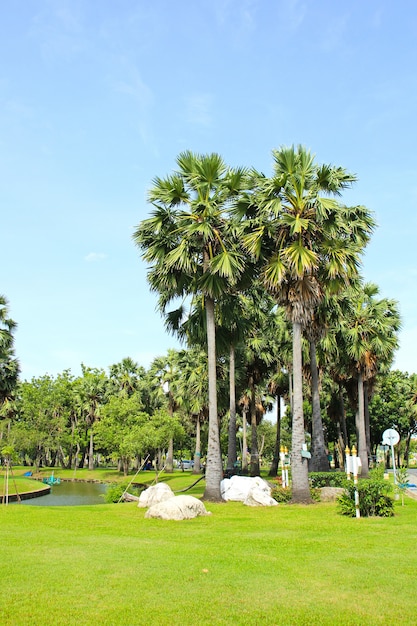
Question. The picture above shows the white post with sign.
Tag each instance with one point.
(391, 437)
(353, 463)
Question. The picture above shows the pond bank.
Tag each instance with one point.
(28, 495)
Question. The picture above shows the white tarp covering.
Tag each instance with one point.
(177, 508)
(153, 495)
(252, 491)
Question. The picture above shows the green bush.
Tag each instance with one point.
(327, 479)
(115, 492)
(284, 494)
(374, 498)
(281, 494)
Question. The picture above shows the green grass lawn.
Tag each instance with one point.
(289, 564)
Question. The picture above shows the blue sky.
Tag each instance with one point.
(97, 97)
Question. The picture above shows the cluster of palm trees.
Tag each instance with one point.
(9, 365)
(231, 250)
(124, 415)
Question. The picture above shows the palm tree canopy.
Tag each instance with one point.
(303, 234)
(370, 330)
(188, 241)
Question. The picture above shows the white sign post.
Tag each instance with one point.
(284, 460)
(391, 437)
(353, 463)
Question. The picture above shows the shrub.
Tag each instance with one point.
(374, 499)
(281, 494)
(284, 494)
(327, 479)
(114, 492)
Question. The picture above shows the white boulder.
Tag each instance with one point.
(253, 491)
(259, 497)
(177, 508)
(155, 494)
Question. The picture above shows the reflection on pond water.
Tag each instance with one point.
(71, 494)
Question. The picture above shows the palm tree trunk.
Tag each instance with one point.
(319, 461)
(231, 449)
(299, 466)
(91, 451)
(244, 441)
(214, 468)
(254, 454)
(169, 461)
(360, 428)
(343, 418)
(197, 453)
(367, 423)
(275, 461)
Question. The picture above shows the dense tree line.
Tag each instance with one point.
(260, 278)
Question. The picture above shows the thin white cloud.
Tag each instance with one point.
(59, 29)
(136, 89)
(198, 109)
(295, 12)
(333, 36)
(242, 12)
(95, 256)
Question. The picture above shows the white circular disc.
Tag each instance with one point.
(390, 437)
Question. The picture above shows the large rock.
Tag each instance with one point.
(253, 491)
(155, 494)
(177, 508)
(259, 497)
(330, 494)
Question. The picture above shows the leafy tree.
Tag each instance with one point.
(43, 415)
(393, 406)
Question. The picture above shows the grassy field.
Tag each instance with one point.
(289, 565)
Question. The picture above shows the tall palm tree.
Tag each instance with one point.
(192, 249)
(193, 384)
(92, 395)
(165, 374)
(368, 333)
(9, 365)
(296, 225)
(125, 376)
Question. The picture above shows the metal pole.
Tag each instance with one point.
(393, 462)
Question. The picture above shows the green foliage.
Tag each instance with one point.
(9, 365)
(402, 480)
(393, 405)
(115, 492)
(281, 494)
(327, 479)
(374, 498)
(284, 494)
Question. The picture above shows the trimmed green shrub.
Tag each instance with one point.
(327, 479)
(374, 498)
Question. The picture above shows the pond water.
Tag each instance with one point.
(71, 494)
